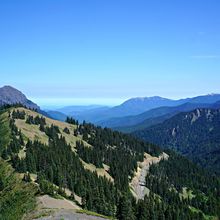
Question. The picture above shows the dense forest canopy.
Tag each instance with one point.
(58, 163)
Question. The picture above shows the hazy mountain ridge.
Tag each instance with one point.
(132, 120)
(77, 109)
(132, 111)
(132, 106)
(57, 115)
(156, 116)
(138, 105)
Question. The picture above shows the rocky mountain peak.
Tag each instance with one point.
(10, 95)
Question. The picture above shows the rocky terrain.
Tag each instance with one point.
(10, 95)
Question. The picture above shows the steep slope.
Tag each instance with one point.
(10, 95)
(67, 157)
(44, 146)
(16, 197)
(194, 134)
(172, 179)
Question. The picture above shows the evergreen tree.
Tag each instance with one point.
(66, 130)
(125, 210)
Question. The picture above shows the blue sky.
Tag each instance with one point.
(102, 52)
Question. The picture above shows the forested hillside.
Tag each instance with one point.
(194, 134)
(16, 196)
(181, 184)
(98, 164)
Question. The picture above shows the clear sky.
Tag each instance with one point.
(105, 51)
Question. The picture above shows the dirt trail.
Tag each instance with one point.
(69, 215)
(57, 209)
(51, 203)
(138, 182)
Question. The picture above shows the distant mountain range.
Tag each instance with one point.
(134, 114)
(195, 134)
(78, 109)
(10, 95)
(154, 116)
(135, 111)
(56, 115)
(134, 106)
(166, 109)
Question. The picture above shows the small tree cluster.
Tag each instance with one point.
(18, 114)
(70, 120)
(66, 130)
(36, 121)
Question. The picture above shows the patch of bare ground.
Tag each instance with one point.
(137, 184)
(52, 203)
(49, 208)
(100, 171)
(69, 215)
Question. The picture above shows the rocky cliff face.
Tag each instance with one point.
(10, 95)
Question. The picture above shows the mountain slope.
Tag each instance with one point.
(10, 95)
(16, 197)
(87, 160)
(63, 154)
(195, 134)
